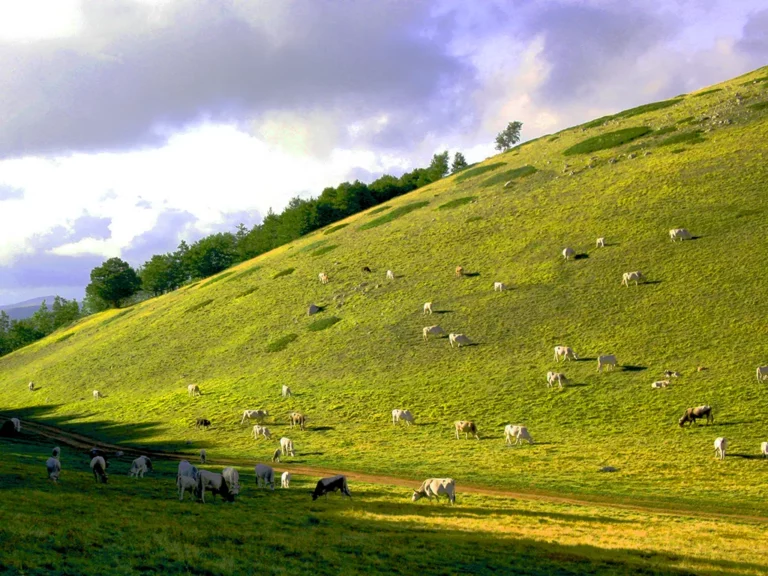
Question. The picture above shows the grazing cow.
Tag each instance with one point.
(435, 487)
(215, 484)
(99, 467)
(258, 415)
(764, 449)
(297, 419)
(259, 430)
(671, 374)
(467, 427)
(286, 391)
(31, 386)
(332, 484)
(701, 368)
(519, 433)
(499, 287)
(16, 424)
(679, 233)
(323, 278)
(600, 243)
(427, 308)
(660, 384)
(567, 253)
(53, 465)
(193, 390)
(459, 339)
(434, 330)
(459, 271)
(276, 455)
(404, 415)
(97, 395)
(203, 456)
(635, 277)
(56, 451)
(565, 352)
(558, 377)
(366, 269)
(286, 446)
(140, 466)
(390, 275)
(186, 478)
(692, 414)
(232, 478)
(285, 480)
(202, 423)
(720, 445)
(265, 475)
(607, 360)
(762, 373)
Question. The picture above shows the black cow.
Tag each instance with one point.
(366, 269)
(332, 484)
(202, 423)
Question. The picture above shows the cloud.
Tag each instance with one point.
(10, 193)
(754, 40)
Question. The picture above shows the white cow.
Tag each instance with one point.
(404, 415)
(99, 469)
(193, 390)
(232, 478)
(286, 446)
(285, 480)
(427, 308)
(660, 384)
(16, 424)
(600, 243)
(186, 478)
(519, 433)
(606, 360)
(762, 373)
(558, 377)
(565, 352)
(31, 386)
(499, 287)
(679, 233)
(203, 456)
(764, 449)
(635, 277)
(214, 483)
(259, 430)
(97, 395)
(567, 253)
(258, 415)
(323, 277)
(286, 391)
(436, 487)
(390, 275)
(459, 339)
(265, 475)
(53, 465)
(434, 330)
(720, 445)
(140, 466)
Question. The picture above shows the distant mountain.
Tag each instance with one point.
(25, 309)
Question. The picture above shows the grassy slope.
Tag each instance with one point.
(141, 527)
(704, 307)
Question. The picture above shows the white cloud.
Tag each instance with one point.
(35, 20)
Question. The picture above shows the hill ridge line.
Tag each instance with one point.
(80, 441)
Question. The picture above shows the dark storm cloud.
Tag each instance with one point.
(86, 226)
(30, 273)
(125, 82)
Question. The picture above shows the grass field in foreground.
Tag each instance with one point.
(138, 525)
(244, 337)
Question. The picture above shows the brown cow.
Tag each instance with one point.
(297, 418)
(459, 271)
(691, 414)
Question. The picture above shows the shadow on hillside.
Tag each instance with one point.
(738, 423)
(576, 385)
(631, 368)
(442, 311)
(745, 456)
(321, 428)
(696, 237)
(582, 256)
(312, 453)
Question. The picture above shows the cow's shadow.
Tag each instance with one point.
(321, 428)
(652, 282)
(585, 359)
(471, 274)
(442, 311)
(582, 256)
(739, 423)
(631, 368)
(576, 385)
(745, 456)
(309, 454)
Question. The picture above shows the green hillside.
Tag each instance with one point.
(697, 161)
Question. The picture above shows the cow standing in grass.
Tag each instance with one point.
(332, 484)
(467, 428)
(436, 487)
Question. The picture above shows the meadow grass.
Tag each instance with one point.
(398, 212)
(378, 210)
(692, 137)
(701, 308)
(607, 140)
(199, 305)
(338, 227)
(324, 250)
(220, 277)
(759, 106)
(466, 174)
(323, 323)
(509, 175)
(286, 272)
(65, 337)
(455, 203)
(706, 92)
(281, 343)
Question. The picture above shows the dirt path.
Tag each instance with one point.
(85, 443)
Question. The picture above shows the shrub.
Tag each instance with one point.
(285, 272)
(281, 343)
(665, 130)
(685, 120)
(396, 213)
(65, 337)
(245, 273)
(607, 140)
(323, 323)
(313, 245)
(378, 210)
(219, 278)
(707, 92)
(250, 290)
(472, 172)
(338, 227)
(198, 306)
(325, 250)
(553, 138)
(457, 202)
(632, 112)
(759, 106)
(508, 175)
(692, 137)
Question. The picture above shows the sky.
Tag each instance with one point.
(129, 125)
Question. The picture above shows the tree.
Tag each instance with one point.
(157, 275)
(439, 166)
(65, 312)
(113, 282)
(509, 136)
(42, 320)
(459, 163)
(211, 255)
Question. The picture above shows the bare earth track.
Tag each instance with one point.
(81, 442)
